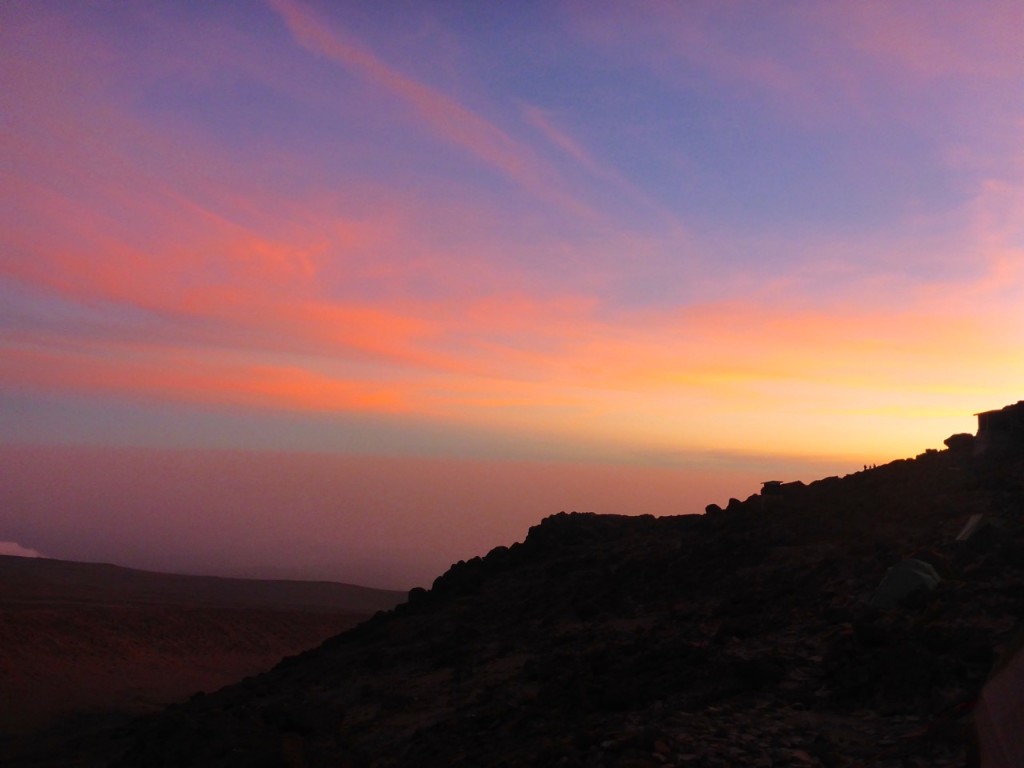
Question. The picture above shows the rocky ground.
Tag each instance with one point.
(742, 637)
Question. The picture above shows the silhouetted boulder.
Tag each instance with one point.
(960, 443)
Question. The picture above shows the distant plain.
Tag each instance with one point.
(87, 640)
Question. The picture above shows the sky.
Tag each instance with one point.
(354, 290)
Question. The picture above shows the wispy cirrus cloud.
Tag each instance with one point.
(138, 245)
(443, 115)
(822, 63)
(560, 138)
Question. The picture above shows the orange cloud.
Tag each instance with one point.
(485, 353)
(449, 309)
(566, 364)
(194, 376)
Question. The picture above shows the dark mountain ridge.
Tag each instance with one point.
(746, 636)
(40, 579)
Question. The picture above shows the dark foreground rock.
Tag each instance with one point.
(743, 637)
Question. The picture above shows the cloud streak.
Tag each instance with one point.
(678, 248)
(448, 119)
(145, 261)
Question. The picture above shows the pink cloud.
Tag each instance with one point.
(373, 300)
(565, 365)
(14, 549)
(446, 117)
(820, 64)
(950, 39)
(258, 272)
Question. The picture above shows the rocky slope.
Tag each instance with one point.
(742, 637)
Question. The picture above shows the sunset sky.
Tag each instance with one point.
(356, 289)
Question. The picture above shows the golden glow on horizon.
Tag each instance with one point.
(317, 284)
(522, 280)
